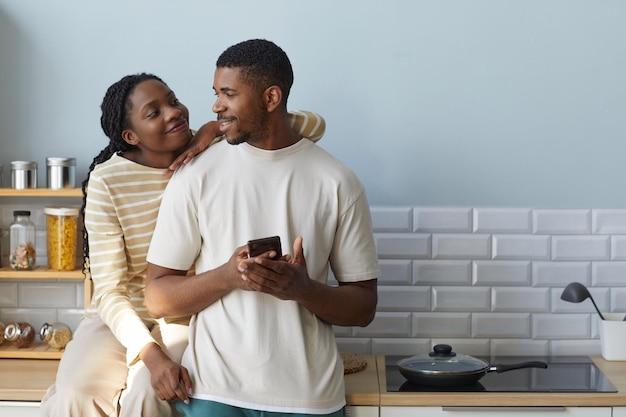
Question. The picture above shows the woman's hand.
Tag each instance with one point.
(169, 380)
(205, 136)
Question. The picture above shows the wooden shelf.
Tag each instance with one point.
(41, 192)
(40, 273)
(38, 350)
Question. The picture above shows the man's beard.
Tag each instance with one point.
(253, 135)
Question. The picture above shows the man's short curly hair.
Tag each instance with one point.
(261, 63)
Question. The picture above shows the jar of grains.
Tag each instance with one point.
(22, 241)
(61, 229)
(1, 332)
(21, 334)
(57, 335)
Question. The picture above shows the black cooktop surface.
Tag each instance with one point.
(563, 374)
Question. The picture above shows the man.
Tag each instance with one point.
(262, 338)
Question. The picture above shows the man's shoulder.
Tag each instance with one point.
(330, 162)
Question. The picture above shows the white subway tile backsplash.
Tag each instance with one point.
(502, 220)
(559, 274)
(395, 298)
(600, 296)
(435, 272)
(561, 326)
(519, 299)
(609, 221)
(47, 294)
(561, 221)
(467, 346)
(617, 300)
(582, 248)
(595, 326)
(8, 294)
(354, 345)
(455, 246)
(490, 325)
(442, 219)
(80, 295)
(441, 325)
(501, 273)
(387, 325)
(575, 347)
(608, 274)
(343, 331)
(403, 245)
(618, 247)
(485, 280)
(392, 219)
(461, 299)
(519, 347)
(70, 316)
(395, 272)
(521, 247)
(400, 346)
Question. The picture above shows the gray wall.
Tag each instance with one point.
(438, 102)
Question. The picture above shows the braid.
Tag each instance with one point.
(115, 108)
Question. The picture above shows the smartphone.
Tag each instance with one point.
(258, 246)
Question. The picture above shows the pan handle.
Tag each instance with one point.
(505, 368)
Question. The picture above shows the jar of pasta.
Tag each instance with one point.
(61, 229)
(57, 335)
(21, 334)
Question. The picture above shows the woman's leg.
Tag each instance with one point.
(91, 375)
(139, 399)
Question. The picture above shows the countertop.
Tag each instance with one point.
(28, 379)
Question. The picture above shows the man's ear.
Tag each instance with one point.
(273, 97)
(130, 137)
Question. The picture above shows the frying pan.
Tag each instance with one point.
(444, 368)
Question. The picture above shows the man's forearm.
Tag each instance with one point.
(351, 304)
(173, 295)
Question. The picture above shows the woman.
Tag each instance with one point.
(121, 361)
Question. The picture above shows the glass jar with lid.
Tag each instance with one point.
(21, 334)
(56, 335)
(22, 241)
(1, 332)
(61, 229)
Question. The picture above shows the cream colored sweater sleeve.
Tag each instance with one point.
(112, 289)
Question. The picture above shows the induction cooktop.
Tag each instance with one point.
(563, 374)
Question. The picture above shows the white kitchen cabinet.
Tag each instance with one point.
(619, 411)
(496, 412)
(19, 409)
(362, 411)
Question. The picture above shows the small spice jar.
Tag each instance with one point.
(61, 228)
(57, 335)
(21, 334)
(61, 172)
(23, 174)
(22, 241)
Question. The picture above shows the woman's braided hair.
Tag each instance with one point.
(115, 108)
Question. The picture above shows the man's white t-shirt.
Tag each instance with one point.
(250, 349)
